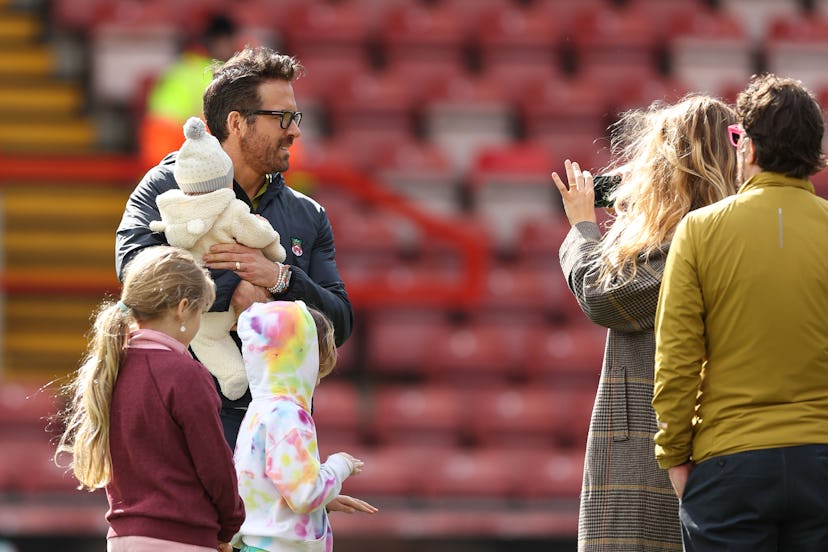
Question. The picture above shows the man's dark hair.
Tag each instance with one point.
(235, 85)
(784, 121)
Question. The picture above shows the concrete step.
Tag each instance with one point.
(18, 26)
(26, 61)
(77, 206)
(59, 250)
(46, 336)
(64, 135)
(41, 96)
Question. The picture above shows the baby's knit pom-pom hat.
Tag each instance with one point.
(202, 165)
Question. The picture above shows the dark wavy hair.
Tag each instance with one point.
(784, 121)
(235, 84)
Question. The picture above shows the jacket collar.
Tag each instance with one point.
(771, 179)
(273, 185)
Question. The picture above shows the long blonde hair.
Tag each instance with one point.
(155, 282)
(674, 158)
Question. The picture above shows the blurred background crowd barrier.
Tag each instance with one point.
(429, 134)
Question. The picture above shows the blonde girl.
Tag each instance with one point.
(143, 418)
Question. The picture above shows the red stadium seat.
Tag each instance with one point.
(428, 34)
(26, 408)
(710, 50)
(475, 473)
(334, 29)
(511, 36)
(398, 343)
(526, 286)
(337, 413)
(422, 173)
(28, 467)
(422, 414)
(820, 181)
(394, 471)
(796, 47)
(756, 15)
(372, 101)
(466, 113)
(615, 43)
(557, 352)
(552, 473)
(478, 352)
(510, 185)
(514, 416)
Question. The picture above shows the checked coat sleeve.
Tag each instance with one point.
(629, 307)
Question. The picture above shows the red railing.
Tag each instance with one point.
(373, 291)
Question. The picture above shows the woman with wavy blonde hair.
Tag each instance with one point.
(671, 159)
(143, 417)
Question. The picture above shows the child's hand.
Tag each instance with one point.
(225, 547)
(350, 505)
(356, 463)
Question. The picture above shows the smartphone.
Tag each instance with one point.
(604, 184)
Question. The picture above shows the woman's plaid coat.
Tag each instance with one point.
(627, 502)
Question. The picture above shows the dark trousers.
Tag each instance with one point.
(758, 501)
(231, 419)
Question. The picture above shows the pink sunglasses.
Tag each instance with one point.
(735, 133)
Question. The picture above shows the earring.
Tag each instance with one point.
(182, 329)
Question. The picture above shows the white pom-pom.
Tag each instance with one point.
(194, 128)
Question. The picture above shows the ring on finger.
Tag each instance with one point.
(238, 266)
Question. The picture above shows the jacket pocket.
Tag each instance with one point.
(619, 423)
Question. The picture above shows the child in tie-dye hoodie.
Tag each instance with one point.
(287, 349)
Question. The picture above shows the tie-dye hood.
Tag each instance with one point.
(283, 484)
(280, 349)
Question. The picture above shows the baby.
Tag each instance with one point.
(202, 212)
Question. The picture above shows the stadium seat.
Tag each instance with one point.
(28, 467)
(398, 341)
(337, 413)
(615, 43)
(540, 240)
(569, 116)
(513, 416)
(525, 286)
(133, 53)
(710, 51)
(477, 352)
(420, 414)
(511, 36)
(392, 471)
(642, 93)
(796, 46)
(820, 180)
(555, 474)
(479, 473)
(332, 28)
(510, 185)
(465, 113)
(756, 15)
(422, 173)
(375, 101)
(27, 408)
(557, 353)
(432, 34)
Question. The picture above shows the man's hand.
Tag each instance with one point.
(250, 264)
(350, 505)
(225, 547)
(678, 477)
